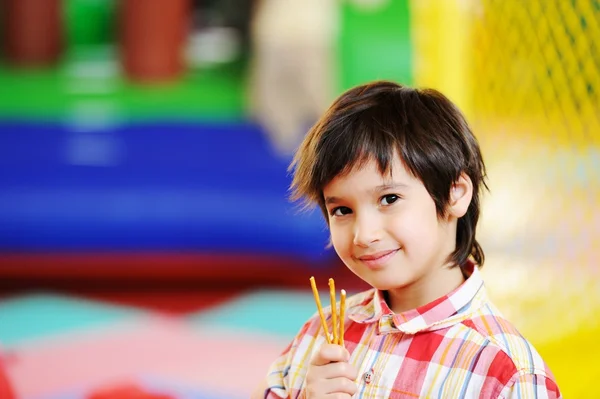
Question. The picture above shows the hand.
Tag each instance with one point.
(329, 374)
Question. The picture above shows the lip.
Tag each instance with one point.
(378, 259)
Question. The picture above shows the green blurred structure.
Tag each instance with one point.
(373, 45)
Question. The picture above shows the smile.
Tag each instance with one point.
(378, 259)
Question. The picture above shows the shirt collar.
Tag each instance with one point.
(448, 310)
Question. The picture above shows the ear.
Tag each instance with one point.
(461, 193)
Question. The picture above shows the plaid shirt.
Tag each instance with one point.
(458, 346)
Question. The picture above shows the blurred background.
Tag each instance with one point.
(147, 245)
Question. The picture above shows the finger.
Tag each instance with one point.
(332, 388)
(312, 394)
(330, 353)
(339, 385)
(333, 370)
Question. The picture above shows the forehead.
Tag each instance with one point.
(368, 175)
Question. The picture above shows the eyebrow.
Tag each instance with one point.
(331, 200)
(391, 186)
(383, 187)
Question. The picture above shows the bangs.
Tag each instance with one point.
(362, 138)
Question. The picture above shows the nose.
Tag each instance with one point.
(367, 230)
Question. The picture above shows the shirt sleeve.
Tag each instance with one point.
(531, 385)
(286, 375)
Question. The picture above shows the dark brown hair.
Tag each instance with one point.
(378, 120)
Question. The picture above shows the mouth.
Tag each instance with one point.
(377, 259)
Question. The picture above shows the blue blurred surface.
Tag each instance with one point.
(161, 186)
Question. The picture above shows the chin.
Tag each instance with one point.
(386, 283)
(383, 284)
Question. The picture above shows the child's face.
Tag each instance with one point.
(386, 229)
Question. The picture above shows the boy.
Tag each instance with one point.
(397, 173)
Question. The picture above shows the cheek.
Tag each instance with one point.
(340, 241)
(416, 227)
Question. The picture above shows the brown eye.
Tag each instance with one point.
(340, 211)
(389, 199)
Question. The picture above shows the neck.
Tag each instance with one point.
(425, 290)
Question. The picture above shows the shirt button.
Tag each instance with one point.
(368, 376)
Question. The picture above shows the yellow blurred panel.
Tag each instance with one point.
(529, 83)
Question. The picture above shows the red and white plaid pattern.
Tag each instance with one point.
(458, 346)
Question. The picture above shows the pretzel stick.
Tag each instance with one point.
(342, 315)
(333, 301)
(320, 309)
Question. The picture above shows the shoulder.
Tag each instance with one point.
(510, 357)
(500, 333)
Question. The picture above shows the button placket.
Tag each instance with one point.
(368, 379)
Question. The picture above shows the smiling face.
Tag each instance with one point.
(386, 230)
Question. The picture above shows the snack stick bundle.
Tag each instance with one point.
(337, 319)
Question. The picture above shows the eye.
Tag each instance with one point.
(389, 199)
(340, 211)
